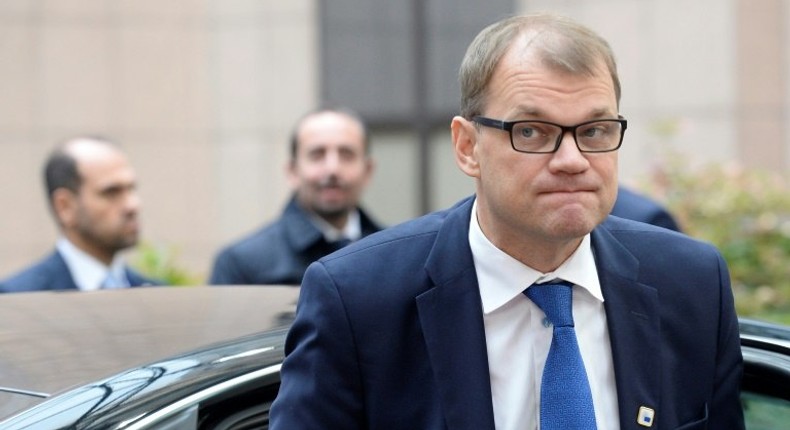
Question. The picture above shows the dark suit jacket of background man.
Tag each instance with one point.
(635, 206)
(52, 273)
(389, 331)
(280, 252)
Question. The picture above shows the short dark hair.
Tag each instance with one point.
(61, 170)
(330, 108)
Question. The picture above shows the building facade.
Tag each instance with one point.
(202, 94)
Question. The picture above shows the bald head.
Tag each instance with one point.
(61, 168)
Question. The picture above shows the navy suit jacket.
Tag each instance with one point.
(279, 253)
(51, 273)
(631, 205)
(389, 332)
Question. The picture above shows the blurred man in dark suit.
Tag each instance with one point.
(329, 168)
(91, 188)
(635, 206)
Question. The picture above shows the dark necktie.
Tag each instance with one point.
(340, 243)
(565, 397)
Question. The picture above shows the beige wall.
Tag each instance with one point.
(202, 93)
(762, 83)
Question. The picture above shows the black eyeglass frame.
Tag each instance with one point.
(508, 126)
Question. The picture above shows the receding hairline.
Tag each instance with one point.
(71, 145)
(310, 116)
(557, 42)
(347, 113)
(62, 168)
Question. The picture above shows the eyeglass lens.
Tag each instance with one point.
(541, 137)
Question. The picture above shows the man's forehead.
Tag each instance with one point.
(327, 116)
(329, 120)
(109, 171)
(544, 80)
(330, 129)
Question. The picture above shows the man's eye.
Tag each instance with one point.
(348, 154)
(590, 132)
(315, 155)
(528, 132)
(598, 130)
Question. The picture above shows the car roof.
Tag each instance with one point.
(52, 341)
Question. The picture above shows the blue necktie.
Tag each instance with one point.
(111, 282)
(565, 397)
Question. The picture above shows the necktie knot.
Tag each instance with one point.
(111, 282)
(555, 299)
(340, 243)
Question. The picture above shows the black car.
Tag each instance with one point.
(56, 342)
(230, 385)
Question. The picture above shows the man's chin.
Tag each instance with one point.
(125, 243)
(575, 225)
(332, 211)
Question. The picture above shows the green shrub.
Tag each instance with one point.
(746, 214)
(160, 263)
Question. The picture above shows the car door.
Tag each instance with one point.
(765, 392)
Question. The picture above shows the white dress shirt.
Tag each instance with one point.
(518, 341)
(351, 231)
(89, 273)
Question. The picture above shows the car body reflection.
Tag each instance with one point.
(231, 384)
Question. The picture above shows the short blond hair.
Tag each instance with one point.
(561, 43)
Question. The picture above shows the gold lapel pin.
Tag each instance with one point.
(645, 416)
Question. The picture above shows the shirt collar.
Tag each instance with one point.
(351, 231)
(88, 272)
(502, 278)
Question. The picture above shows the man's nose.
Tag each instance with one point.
(132, 201)
(332, 161)
(568, 157)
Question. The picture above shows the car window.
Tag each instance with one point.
(763, 412)
(765, 396)
(184, 420)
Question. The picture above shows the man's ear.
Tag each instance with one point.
(291, 174)
(65, 206)
(370, 167)
(465, 144)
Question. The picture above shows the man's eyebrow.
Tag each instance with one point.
(535, 112)
(117, 187)
(527, 111)
(601, 113)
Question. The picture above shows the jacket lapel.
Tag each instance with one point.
(452, 321)
(632, 313)
(451, 317)
(58, 273)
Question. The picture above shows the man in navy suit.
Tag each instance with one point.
(635, 206)
(329, 168)
(91, 189)
(427, 325)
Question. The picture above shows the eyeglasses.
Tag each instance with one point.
(541, 137)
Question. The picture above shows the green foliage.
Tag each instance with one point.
(746, 214)
(160, 263)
